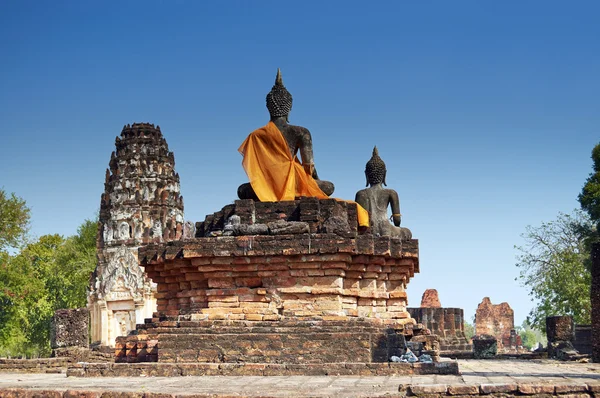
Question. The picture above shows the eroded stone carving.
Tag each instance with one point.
(141, 204)
(123, 275)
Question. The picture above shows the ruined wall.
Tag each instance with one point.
(495, 320)
(141, 204)
(446, 323)
(430, 299)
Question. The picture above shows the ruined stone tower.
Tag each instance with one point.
(141, 204)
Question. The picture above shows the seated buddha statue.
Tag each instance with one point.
(376, 199)
(270, 156)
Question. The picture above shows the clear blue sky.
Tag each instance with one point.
(485, 112)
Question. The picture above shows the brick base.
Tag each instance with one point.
(289, 341)
(260, 369)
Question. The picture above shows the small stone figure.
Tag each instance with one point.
(376, 199)
(297, 138)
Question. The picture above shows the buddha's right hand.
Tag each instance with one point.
(309, 168)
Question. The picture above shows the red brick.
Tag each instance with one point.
(536, 389)
(498, 388)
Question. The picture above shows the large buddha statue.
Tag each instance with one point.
(376, 199)
(270, 156)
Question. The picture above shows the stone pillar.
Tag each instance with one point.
(484, 347)
(139, 312)
(595, 301)
(559, 328)
(104, 325)
(560, 332)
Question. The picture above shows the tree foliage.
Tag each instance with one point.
(14, 220)
(531, 337)
(48, 274)
(589, 198)
(469, 330)
(554, 265)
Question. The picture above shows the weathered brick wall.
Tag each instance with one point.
(278, 277)
(446, 323)
(495, 320)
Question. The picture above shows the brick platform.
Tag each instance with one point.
(492, 378)
(305, 287)
(287, 341)
(259, 369)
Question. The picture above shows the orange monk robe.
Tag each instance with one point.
(275, 175)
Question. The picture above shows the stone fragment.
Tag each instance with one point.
(282, 227)
(562, 350)
(69, 328)
(189, 230)
(339, 226)
(425, 358)
(559, 328)
(484, 346)
(250, 229)
(430, 299)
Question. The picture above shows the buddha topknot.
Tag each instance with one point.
(375, 169)
(279, 100)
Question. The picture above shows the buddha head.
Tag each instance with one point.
(279, 100)
(375, 169)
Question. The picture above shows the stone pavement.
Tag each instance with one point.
(477, 377)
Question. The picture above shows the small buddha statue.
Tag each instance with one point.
(275, 147)
(376, 199)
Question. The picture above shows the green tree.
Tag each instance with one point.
(469, 330)
(14, 220)
(589, 198)
(75, 261)
(554, 265)
(46, 275)
(530, 337)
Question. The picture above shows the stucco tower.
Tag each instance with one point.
(141, 204)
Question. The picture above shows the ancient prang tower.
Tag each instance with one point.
(141, 204)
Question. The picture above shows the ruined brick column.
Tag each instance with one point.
(595, 300)
(141, 204)
(495, 320)
(559, 328)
